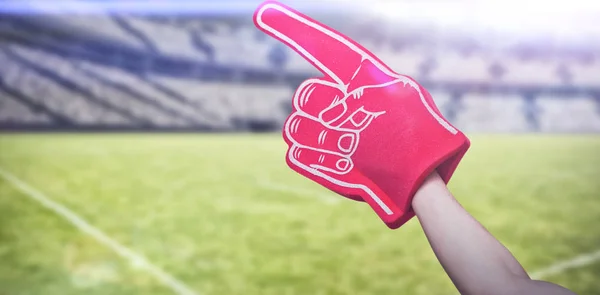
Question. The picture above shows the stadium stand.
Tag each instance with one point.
(41, 90)
(63, 72)
(406, 62)
(229, 102)
(234, 47)
(13, 111)
(492, 113)
(530, 72)
(183, 73)
(96, 26)
(165, 39)
(453, 66)
(586, 74)
(137, 86)
(573, 115)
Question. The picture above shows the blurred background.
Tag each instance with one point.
(141, 153)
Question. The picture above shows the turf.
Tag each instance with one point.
(225, 215)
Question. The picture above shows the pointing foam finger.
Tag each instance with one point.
(330, 52)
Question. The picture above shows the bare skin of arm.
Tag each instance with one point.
(474, 260)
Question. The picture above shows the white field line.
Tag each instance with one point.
(556, 268)
(271, 185)
(134, 258)
(562, 266)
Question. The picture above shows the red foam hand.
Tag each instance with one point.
(362, 130)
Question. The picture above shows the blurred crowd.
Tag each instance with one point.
(185, 73)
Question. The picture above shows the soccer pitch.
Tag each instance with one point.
(224, 215)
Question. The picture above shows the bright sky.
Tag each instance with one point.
(565, 18)
(521, 16)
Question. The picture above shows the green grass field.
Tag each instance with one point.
(225, 215)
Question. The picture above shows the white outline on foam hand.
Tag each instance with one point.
(314, 169)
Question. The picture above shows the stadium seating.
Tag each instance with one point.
(586, 74)
(406, 62)
(44, 86)
(111, 95)
(492, 113)
(167, 39)
(96, 25)
(454, 67)
(530, 72)
(226, 101)
(135, 85)
(576, 114)
(238, 47)
(40, 90)
(13, 111)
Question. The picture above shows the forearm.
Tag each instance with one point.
(474, 260)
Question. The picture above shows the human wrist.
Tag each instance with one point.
(433, 187)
